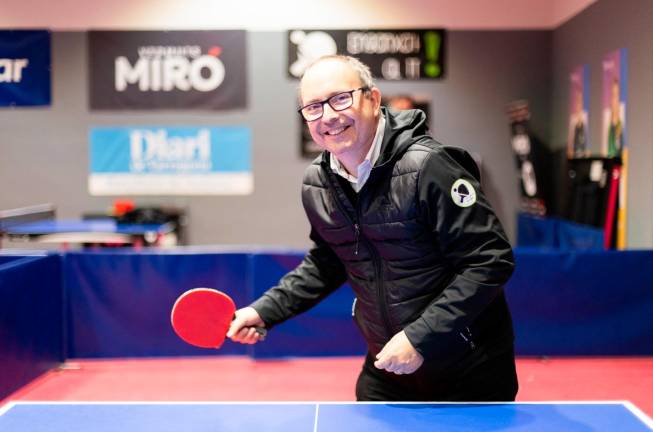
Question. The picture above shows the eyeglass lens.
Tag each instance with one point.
(338, 102)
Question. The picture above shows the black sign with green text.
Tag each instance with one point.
(390, 54)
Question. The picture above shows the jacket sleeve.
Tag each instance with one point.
(319, 274)
(472, 241)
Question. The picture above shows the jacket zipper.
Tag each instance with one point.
(358, 237)
(357, 233)
(378, 280)
(379, 288)
(468, 338)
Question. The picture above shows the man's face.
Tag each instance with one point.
(348, 133)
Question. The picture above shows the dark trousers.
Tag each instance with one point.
(485, 379)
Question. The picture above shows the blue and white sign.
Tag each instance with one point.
(24, 67)
(170, 161)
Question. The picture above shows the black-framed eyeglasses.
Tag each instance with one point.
(337, 102)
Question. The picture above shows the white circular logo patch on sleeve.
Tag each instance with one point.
(463, 193)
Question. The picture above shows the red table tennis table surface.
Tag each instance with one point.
(321, 417)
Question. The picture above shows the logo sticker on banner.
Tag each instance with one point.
(168, 69)
(391, 54)
(24, 67)
(170, 161)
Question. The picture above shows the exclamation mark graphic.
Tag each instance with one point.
(432, 43)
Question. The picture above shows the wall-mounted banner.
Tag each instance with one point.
(614, 103)
(530, 157)
(24, 67)
(168, 69)
(390, 54)
(579, 104)
(614, 140)
(170, 161)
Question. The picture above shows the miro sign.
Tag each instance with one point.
(170, 161)
(390, 54)
(168, 69)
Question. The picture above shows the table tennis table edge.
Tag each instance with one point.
(641, 416)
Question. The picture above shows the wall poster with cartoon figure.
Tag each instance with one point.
(578, 134)
(613, 131)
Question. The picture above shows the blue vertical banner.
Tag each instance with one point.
(25, 68)
(170, 161)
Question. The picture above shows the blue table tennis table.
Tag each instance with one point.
(320, 417)
(92, 231)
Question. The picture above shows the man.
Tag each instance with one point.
(404, 220)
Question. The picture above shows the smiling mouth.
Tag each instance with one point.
(338, 131)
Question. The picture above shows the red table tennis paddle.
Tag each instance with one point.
(201, 317)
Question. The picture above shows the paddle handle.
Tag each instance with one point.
(261, 331)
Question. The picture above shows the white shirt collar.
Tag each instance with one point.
(365, 167)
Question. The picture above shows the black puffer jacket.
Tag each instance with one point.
(417, 261)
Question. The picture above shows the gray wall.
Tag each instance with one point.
(43, 152)
(606, 26)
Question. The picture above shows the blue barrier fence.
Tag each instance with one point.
(117, 304)
(326, 330)
(556, 233)
(31, 319)
(582, 303)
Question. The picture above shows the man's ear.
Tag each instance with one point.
(375, 95)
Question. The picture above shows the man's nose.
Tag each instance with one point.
(328, 113)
